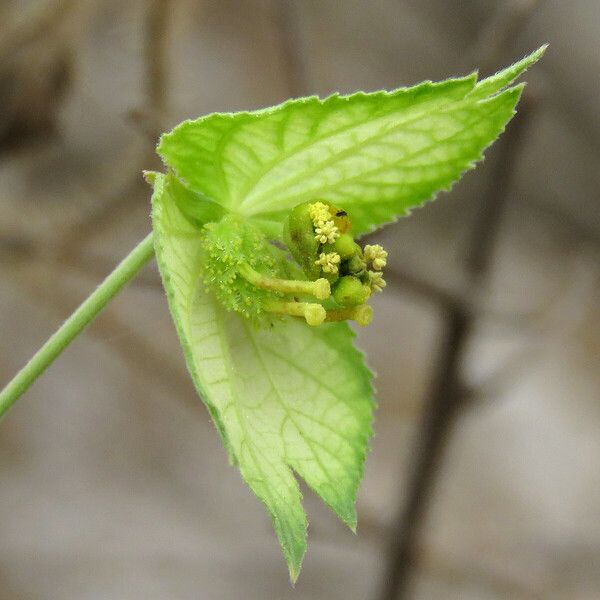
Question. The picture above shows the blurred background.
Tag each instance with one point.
(484, 477)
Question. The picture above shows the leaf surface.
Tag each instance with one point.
(377, 155)
(287, 398)
(293, 399)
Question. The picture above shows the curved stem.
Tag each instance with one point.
(127, 269)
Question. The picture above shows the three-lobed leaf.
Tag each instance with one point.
(292, 398)
(378, 154)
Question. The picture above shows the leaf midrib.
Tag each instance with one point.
(450, 104)
(311, 141)
(289, 415)
(319, 191)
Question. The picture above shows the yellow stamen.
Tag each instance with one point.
(329, 262)
(326, 231)
(376, 255)
(376, 281)
(319, 212)
(320, 288)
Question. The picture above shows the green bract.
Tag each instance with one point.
(284, 397)
(229, 244)
(288, 397)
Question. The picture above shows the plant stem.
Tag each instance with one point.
(320, 288)
(126, 270)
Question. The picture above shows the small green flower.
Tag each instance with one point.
(328, 262)
(377, 256)
(350, 291)
(376, 281)
(326, 232)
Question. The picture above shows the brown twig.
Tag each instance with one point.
(446, 392)
(118, 202)
(35, 19)
(156, 60)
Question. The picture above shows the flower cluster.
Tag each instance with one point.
(318, 236)
(331, 280)
(339, 255)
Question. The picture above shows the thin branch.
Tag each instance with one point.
(445, 396)
(156, 60)
(156, 44)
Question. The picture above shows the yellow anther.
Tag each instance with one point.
(314, 314)
(326, 231)
(328, 262)
(376, 255)
(362, 315)
(376, 281)
(320, 289)
(319, 213)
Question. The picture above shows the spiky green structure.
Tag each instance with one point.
(228, 245)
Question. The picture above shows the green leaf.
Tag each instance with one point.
(288, 398)
(377, 155)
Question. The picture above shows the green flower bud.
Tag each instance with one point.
(350, 291)
(299, 236)
(345, 246)
(356, 265)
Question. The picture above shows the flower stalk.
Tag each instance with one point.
(320, 288)
(126, 270)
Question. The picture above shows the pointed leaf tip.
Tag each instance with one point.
(502, 79)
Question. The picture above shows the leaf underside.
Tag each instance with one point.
(375, 154)
(284, 398)
(292, 398)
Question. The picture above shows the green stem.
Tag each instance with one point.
(320, 288)
(76, 323)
